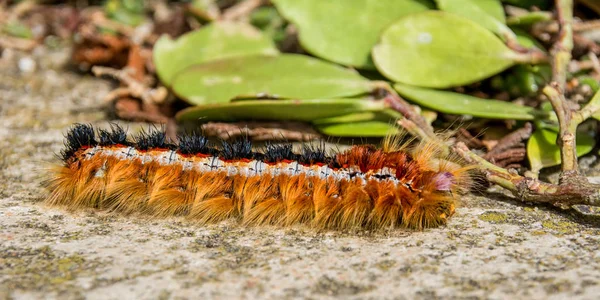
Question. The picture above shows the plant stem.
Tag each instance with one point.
(561, 56)
(393, 101)
(241, 10)
(561, 50)
(588, 110)
(566, 136)
(533, 56)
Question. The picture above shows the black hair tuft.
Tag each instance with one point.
(333, 162)
(153, 139)
(312, 154)
(194, 144)
(83, 135)
(237, 149)
(278, 152)
(80, 135)
(115, 136)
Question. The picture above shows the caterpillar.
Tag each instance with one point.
(364, 187)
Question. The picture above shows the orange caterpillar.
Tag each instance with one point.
(363, 187)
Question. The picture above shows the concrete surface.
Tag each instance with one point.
(492, 248)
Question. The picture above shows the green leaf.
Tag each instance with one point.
(284, 110)
(270, 22)
(528, 41)
(215, 41)
(287, 76)
(529, 3)
(590, 81)
(487, 13)
(596, 98)
(130, 12)
(344, 31)
(542, 150)
(17, 29)
(439, 50)
(265, 17)
(359, 129)
(461, 104)
(493, 8)
(430, 4)
(529, 18)
(355, 117)
(521, 81)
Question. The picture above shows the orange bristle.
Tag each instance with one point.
(363, 187)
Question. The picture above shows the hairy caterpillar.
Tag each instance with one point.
(362, 187)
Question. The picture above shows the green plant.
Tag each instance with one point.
(413, 50)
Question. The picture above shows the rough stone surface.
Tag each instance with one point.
(492, 248)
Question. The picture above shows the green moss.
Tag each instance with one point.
(164, 295)
(385, 265)
(34, 224)
(103, 229)
(493, 217)
(330, 286)
(562, 227)
(71, 236)
(41, 268)
(103, 282)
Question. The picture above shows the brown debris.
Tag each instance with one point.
(96, 48)
(169, 19)
(135, 99)
(132, 86)
(583, 45)
(99, 49)
(131, 109)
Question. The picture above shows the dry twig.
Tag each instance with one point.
(241, 10)
(510, 149)
(9, 42)
(512, 140)
(261, 131)
(133, 87)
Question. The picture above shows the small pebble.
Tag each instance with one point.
(27, 65)
(594, 180)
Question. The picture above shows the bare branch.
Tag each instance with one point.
(241, 10)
